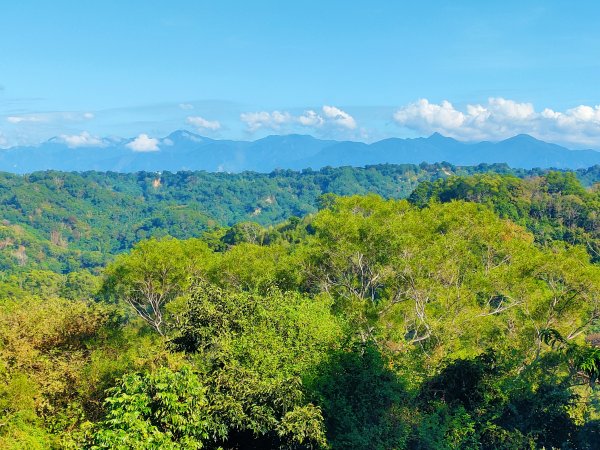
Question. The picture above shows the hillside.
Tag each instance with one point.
(371, 324)
(65, 221)
(462, 315)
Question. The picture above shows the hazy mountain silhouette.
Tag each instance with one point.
(183, 150)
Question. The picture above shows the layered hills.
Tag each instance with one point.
(183, 150)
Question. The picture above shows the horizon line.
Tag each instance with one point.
(104, 141)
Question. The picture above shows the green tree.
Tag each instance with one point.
(253, 352)
(155, 273)
(157, 410)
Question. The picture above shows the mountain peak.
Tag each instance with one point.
(180, 135)
(522, 138)
(287, 137)
(440, 138)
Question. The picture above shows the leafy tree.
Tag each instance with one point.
(555, 206)
(253, 351)
(482, 403)
(157, 410)
(446, 279)
(244, 232)
(154, 274)
(583, 359)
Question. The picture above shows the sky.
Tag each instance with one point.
(359, 70)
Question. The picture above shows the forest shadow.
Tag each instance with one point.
(362, 400)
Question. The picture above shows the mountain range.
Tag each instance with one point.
(183, 150)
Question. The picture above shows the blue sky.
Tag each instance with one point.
(360, 70)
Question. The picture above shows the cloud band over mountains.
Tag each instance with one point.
(496, 119)
(329, 116)
(499, 119)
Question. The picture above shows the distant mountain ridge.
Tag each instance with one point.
(183, 150)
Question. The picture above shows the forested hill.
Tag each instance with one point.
(372, 324)
(461, 318)
(64, 221)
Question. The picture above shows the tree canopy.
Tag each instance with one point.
(465, 316)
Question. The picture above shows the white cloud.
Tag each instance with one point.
(501, 118)
(84, 139)
(88, 115)
(203, 124)
(144, 143)
(330, 116)
(186, 106)
(339, 117)
(3, 141)
(311, 119)
(423, 115)
(274, 120)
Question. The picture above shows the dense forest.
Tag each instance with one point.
(65, 222)
(389, 307)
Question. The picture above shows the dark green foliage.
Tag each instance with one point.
(461, 383)
(499, 409)
(364, 402)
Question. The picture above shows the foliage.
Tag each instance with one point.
(447, 280)
(158, 410)
(462, 318)
(364, 402)
(57, 357)
(584, 360)
(554, 207)
(153, 274)
(254, 351)
(67, 221)
(481, 403)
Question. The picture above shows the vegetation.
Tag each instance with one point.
(66, 221)
(555, 207)
(464, 317)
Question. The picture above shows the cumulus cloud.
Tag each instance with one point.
(263, 119)
(501, 118)
(144, 143)
(311, 119)
(203, 124)
(339, 117)
(84, 139)
(186, 106)
(330, 116)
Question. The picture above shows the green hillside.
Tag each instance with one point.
(71, 221)
(464, 317)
